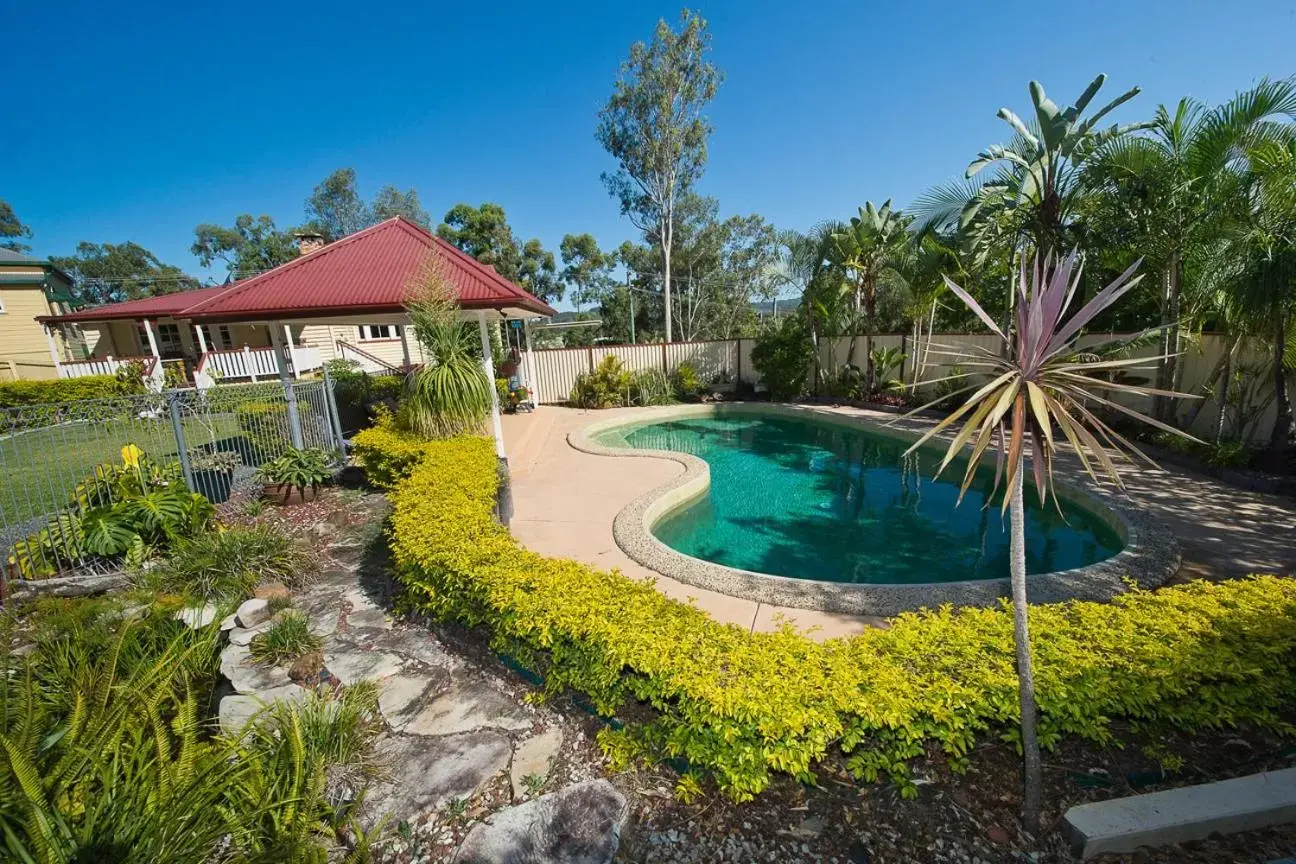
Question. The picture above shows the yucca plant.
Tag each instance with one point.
(450, 394)
(1041, 388)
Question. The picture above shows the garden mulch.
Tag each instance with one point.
(971, 819)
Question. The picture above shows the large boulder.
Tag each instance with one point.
(579, 825)
(428, 773)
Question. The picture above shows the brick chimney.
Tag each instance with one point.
(309, 241)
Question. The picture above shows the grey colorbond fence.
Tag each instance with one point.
(218, 437)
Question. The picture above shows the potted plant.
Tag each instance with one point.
(295, 477)
(213, 472)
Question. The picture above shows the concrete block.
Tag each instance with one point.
(1122, 825)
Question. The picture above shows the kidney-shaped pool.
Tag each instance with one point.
(814, 500)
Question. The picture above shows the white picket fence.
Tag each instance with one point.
(101, 366)
(723, 363)
(255, 364)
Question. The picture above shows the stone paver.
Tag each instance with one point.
(351, 666)
(235, 711)
(427, 773)
(468, 704)
(252, 612)
(403, 695)
(578, 825)
(245, 635)
(533, 758)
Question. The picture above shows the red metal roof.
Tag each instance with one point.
(162, 306)
(368, 272)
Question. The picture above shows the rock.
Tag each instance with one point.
(197, 617)
(998, 835)
(469, 705)
(306, 668)
(271, 589)
(401, 696)
(353, 666)
(427, 774)
(244, 635)
(249, 677)
(252, 612)
(579, 825)
(236, 711)
(533, 757)
(228, 623)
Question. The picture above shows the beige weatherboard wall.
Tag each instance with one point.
(26, 287)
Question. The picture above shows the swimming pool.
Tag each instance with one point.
(811, 500)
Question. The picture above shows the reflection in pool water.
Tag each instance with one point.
(819, 501)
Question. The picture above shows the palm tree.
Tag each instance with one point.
(868, 249)
(1038, 386)
(450, 393)
(806, 266)
(1181, 183)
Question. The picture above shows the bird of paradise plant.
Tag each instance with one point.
(1041, 388)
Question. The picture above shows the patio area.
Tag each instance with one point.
(565, 502)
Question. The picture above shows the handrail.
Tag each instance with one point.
(347, 346)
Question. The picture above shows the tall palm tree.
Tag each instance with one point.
(806, 266)
(867, 249)
(1039, 385)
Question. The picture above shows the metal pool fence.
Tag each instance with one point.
(215, 439)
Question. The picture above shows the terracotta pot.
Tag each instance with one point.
(286, 496)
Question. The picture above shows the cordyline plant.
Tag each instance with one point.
(1041, 388)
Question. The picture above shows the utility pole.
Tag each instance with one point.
(630, 294)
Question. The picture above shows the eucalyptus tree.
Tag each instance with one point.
(868, 250)
(654, 126)
(1039, 388)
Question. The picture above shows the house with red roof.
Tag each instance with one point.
(343, 300)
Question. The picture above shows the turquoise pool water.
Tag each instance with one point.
(818, 501)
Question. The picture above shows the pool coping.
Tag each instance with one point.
(1150, 555)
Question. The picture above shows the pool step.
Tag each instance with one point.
(1178, 815)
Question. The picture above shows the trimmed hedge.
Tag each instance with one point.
(16, 393)
(742, 705)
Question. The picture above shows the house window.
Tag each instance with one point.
(168, 339)
(219, 340)
(371, 332)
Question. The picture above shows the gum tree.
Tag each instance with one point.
(1041, 389)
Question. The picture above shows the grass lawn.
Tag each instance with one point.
(41, 467)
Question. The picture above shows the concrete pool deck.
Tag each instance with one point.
(566, 501)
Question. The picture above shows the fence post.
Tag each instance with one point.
(330, 404)
(294, 416)
(173, 402)
(665, 364)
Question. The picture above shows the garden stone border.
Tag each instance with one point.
(1150, 555)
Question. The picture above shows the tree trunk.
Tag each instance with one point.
(870, 313)
(1227, 372)
(1173, 336)
(1033, 780)
(667, 238)
(1281, 436)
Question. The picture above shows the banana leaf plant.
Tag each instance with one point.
(1039, 387)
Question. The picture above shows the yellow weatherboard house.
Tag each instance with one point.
(31, 287)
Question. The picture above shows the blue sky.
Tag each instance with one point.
(139, 125)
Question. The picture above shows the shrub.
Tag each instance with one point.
(1225, 454)
(288, 638)
(782, 356)
(687, 383)
(108, 756)
(741, 705)
(386, 453)
(261, 423)
(605, 387)
(650, 387)
(133, 510)
(17, 393)
(299, 469)
(227, 565)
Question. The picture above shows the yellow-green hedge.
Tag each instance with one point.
(39, 392)
(743, 705)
